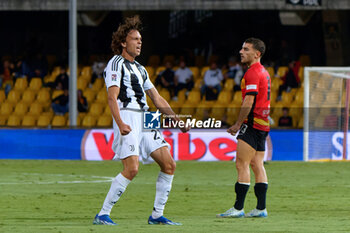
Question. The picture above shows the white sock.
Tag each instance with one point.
(163, 187)
(118, 187)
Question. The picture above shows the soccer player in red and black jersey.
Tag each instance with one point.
(253, 127)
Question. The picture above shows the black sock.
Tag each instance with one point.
(260, 190)
(241, 192)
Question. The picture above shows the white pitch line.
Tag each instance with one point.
(106, 179)
(59, 182)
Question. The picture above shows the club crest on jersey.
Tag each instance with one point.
(151, 120)
(114, 77)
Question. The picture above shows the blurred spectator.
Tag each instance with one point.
(290, 79)
(60, 103)
(97, 69)
(234, 72)
(166, 78)
(21, 69)
(61, 81)
(82, 102)
(285, 120)
(6, 75)
(38, 67)
(183, 78)
(212, 82)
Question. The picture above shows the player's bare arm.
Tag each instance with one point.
(163, 105)
(113, 93)
(243, 114)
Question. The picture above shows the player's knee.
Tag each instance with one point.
(132, 172)
(241, 165)
(169, 167)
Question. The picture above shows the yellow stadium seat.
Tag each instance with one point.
(43, 97)
(301, 74)
(102, 97)
(165, 94)
(21, 84)
(104, 121)
(28, 96)
(28, 121)
(13, 96)
(150, 71)
(43, 121)
(237, 97)
(229, 84)
(82, 83)
(150, 104)
(21, 109)
(89, 121)
(276, 83)
(276, 109)
(273, 97)
(2, 96)
(3, 120)
(181, 96)
(195, 72)
(204, 69)
(35, 109)
(78, 121)
(153, 60)
(58, 121)
(301, 122)
(287, 97)
(198, 84)
(194, 97)
(6, 108)
(233, 109)
(188, 109)
(86, 71)
(159, 69)
(89, 95)
(271, 71)
(96, 109)
(98, 84)
(14, 121)
(225, 97)
(107, 111)
(56, 93)
(281, 71)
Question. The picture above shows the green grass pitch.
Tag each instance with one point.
(64, 196)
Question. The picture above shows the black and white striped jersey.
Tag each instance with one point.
(132, 79)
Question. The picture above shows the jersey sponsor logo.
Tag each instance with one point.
(114, 77)
(151, 120)
(251, 87)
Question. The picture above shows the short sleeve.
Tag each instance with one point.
(147, 84)
(113, 72)
(251, 83)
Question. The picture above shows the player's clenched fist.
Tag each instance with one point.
(124, 129)
(233, 129)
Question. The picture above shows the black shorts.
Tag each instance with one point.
(254, 137)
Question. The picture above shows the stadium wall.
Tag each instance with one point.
(95, 144)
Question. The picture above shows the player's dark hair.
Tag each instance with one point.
(119, 36)
(257, 44)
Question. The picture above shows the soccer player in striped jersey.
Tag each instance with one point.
(127, 84)
(253, 127)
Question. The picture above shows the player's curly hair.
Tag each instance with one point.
(257, 44)
(119, 36)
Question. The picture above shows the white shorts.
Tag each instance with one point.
(139, 141)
